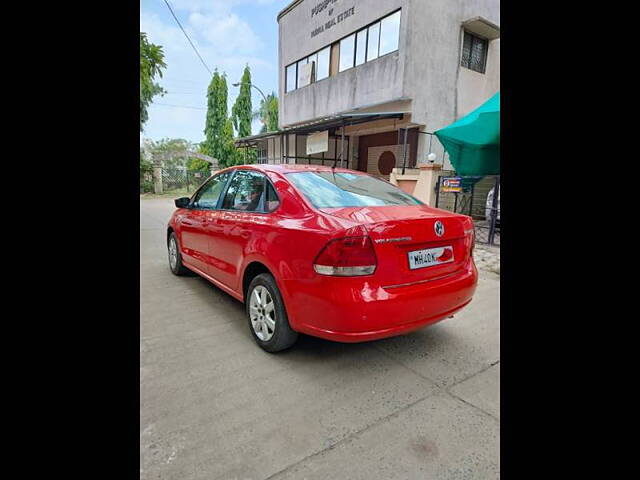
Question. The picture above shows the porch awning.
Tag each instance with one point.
(473, 142)
(325, 123)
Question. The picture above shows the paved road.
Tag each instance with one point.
(213, 405)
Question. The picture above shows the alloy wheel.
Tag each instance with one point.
(262, 313)
(173, 253)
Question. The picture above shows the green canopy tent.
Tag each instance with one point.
(473, 142)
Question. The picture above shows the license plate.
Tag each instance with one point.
(430, 257)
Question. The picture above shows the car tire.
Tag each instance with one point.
(175, 263)
(268, 325)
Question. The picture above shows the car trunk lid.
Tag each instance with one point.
(398, 230)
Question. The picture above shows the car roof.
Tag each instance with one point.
(290, 168)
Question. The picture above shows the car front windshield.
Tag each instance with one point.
(329, 190)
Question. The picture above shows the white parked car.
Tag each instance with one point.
(489, 205)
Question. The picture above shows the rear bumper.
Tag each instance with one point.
(356, 309)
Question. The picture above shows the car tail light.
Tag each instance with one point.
(470, 239)
(348, 256)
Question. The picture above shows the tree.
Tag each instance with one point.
(197, 165)
(214, 142)
(268, 113)
(146, 172)
(145, 165)
(218, 128)
(241, 111)
(242, 115)
(230, 153)
(170, 145)
(151, 65)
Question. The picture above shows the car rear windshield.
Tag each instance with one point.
(329, 190)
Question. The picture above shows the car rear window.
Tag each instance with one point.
(329, 190)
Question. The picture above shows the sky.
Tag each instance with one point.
(229, 34)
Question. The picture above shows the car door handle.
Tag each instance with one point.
(188, 224)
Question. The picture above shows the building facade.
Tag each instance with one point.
(366, 82)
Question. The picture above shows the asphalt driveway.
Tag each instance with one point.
(214, 405)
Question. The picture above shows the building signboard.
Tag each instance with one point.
(333, 16)
(451, 184)
(318, 142)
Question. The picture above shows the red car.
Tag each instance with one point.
(332, 253)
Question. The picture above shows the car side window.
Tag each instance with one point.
(207, 197)
(245, 192)
(272, 199)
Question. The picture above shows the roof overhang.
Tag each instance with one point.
(289, 7)
(326, 123)
(482, 27)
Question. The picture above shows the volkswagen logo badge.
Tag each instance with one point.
(438, 227)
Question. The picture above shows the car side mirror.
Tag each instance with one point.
(182, 202)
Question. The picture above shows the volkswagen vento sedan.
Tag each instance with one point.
(332, 253)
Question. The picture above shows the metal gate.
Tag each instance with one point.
(476, 196)
(181, 181)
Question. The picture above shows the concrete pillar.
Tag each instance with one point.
(427, 180)
(157, 178)
(393, 177)
(213, 167)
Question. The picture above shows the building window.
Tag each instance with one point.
(474, 52)
(373, 42)
(369, 43)
(322, 67)
(347, 52)
(361, 47)
(290, 84)
(390, 33)
(301, 72)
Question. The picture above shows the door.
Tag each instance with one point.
(242, 221)
(195, 225)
